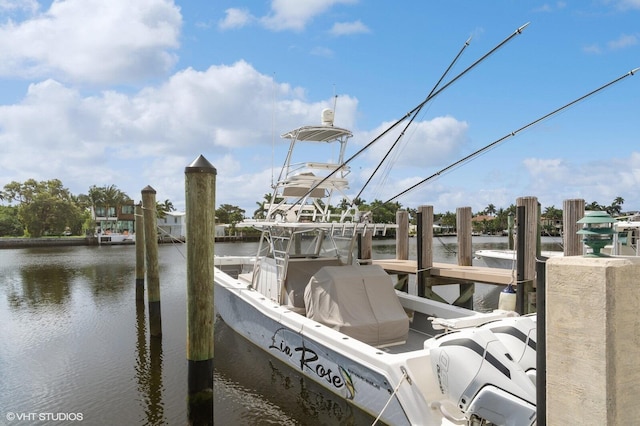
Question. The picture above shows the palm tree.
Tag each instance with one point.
(593, 206)
(616, 207)
(490, 210)
(163, 208)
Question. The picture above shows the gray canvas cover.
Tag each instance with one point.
(358, 301)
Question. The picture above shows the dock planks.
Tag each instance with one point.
(451, 272)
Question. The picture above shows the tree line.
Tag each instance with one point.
(48, 208)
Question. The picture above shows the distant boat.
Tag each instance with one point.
(506, 259)
(306, 300)
(116, 238)
(625, 238)
(625, 243)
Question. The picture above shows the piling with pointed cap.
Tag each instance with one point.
(151, 258)
(200, 180)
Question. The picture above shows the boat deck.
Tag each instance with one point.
(415, 342)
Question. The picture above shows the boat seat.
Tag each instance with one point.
(358, 301)
(299, 272)
(299, 185)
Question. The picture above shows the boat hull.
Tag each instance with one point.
(284, 338)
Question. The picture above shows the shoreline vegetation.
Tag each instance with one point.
(67, 241)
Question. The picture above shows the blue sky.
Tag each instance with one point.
(129, 93)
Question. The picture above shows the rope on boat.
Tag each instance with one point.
(405, 376)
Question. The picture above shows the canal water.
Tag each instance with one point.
(75, 347)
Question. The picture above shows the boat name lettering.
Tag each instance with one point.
(283, 347)
(309, 359)
(364, 379)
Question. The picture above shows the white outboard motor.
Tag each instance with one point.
(479, 380)
(518, 335)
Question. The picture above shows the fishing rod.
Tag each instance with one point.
(466, 44)
(513, 133)
(408, 114)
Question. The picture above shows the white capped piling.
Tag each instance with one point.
(151, 260)
(424, 248)
(139, 235)
(200, 180)
(572, 212)
(465, 254)
(592, 327)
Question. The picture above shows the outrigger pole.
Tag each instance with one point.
(513, 133)
(466, 43)
(414, 110)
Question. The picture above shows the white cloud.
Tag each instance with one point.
(92, 41)
(226, 113)
(348, 28)
(322, 51)
(592, 48)
(623, 41)
(235, 18)
(30, 6)
(441, 137)
(628, 4)
(295, 15)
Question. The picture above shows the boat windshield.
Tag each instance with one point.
(310, 242)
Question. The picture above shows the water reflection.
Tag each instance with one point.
(278, 394)
(40, 285)
(149, 371)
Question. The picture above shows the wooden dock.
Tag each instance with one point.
(447, 273)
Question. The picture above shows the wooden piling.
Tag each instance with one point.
(139, 235)
(200, 179)
(365, 247)
(510, 224)
(572, 212)
(465, 254)
(402, 246)
(424, 248)
(151, 258)
(529, 231)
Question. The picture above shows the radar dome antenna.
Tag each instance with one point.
(327, 117)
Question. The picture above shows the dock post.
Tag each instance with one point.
(151, 258)
(139, 235)
(424, 248)
(465, 254)
(592, 340)
(200, 181)
(365, 247)
(528, 229)
(572, 212)
(402, 246)
(510, 231)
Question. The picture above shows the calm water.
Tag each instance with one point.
(74, 345)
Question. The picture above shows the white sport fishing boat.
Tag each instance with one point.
(626, 237)
(307, 300)
(506, 259)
